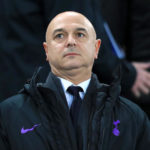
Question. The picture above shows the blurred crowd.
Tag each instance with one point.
(123, 26)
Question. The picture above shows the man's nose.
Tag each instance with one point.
(71, 42)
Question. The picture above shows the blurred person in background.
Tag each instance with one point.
(130, 25)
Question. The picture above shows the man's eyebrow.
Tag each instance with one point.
(58, 30)
(81, 29)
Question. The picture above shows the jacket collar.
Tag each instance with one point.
(53, 83)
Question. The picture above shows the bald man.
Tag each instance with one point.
(70, 109)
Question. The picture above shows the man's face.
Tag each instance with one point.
(71, 43)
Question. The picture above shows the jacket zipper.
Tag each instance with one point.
(90, 122)
(102, 137)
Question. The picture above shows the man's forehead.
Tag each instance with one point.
(74, 21)
(68, 27)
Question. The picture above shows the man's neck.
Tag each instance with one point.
(74, 76)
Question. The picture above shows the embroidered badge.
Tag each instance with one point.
(116, 131)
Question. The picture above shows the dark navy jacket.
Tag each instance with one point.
(38, 119)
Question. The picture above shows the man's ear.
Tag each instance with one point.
(97, 47)
(46, 50)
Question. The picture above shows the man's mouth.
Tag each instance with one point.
(70, 54)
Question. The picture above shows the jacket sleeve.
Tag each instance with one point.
(129, 74)
(143, 139)
(3, 137)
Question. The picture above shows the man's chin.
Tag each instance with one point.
(72, 67)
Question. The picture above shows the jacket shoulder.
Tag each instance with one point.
(132, 109)
(15, 101)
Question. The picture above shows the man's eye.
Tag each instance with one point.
(60, 36)
(80, 35)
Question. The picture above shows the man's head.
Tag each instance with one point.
(71, 43)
